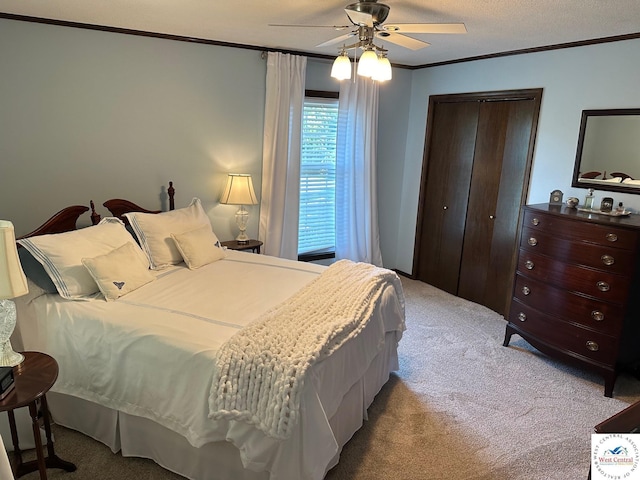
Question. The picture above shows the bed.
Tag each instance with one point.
(216, 364)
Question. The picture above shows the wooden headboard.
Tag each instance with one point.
(63, 221)
(66, 219)
(118, 206)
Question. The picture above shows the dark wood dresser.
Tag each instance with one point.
(575, 294)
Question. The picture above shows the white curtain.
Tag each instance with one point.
(5, 466)
(281, 154)
(357, 234)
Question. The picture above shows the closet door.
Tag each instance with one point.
(476, 169)
(497, 186)
(449, 166)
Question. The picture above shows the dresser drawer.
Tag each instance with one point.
(565, 336)
(582, 231)
(605, 258)
(601, 316)
(601, 285)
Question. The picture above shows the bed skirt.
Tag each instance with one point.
(136, 436)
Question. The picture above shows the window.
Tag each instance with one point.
(317, 226)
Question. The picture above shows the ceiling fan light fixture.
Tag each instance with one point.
(383, 70)
(341, 68)
(368, 63)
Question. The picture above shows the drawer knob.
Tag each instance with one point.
(608, 260)
(522, 316)
(612, 237)
(526, 290)
(593, 346)
(529, 265)
(532, 241)
(535, 221)
(603, 286)
(597, 315)
(445, 207)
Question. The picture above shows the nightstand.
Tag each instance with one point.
(33, 379)
(253, 245)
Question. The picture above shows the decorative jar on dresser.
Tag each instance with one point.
(576, 291)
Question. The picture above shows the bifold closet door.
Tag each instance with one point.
(477, 162)
(449, 165)
(495, 193)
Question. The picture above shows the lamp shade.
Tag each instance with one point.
(383, 71)
(341, 68)
(13, 283)
(368, 63)
(239, 190)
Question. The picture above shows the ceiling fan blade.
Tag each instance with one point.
(402, 40)
(425, 28)
(339, 39)
(359, 18)
(335, 27)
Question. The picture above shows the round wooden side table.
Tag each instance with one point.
(253, 245)
(33, 379)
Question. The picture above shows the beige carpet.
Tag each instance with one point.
(462, 406)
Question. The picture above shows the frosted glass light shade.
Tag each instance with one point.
(383, 71)
(341, 68)
(368, 63)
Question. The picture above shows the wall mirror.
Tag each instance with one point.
(608, 154)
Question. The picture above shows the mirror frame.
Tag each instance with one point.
(612, 187)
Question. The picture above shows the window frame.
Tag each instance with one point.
(310, 257)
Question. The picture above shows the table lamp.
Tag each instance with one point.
(239, 191)
(13, 284)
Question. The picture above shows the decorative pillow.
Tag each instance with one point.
(154, 231)
(199, 247)
(61, 254)
(35, 272)
(119, 272)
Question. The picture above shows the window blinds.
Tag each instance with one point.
(316, 232)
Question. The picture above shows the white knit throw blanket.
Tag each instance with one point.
(261, 370)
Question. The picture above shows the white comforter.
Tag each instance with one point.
(152, 353)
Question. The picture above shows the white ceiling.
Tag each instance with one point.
(493, 26)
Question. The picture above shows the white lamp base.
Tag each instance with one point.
(8, 358)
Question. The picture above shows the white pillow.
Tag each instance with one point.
(61, 254)
(120, 271)
(154, 231)
(199, 247)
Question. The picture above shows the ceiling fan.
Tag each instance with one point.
(368, 17)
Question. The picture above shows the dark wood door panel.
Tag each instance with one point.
(446, 195)
(500, 166)
(519, 142)
(483, 194)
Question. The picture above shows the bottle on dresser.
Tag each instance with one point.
(588, 201)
